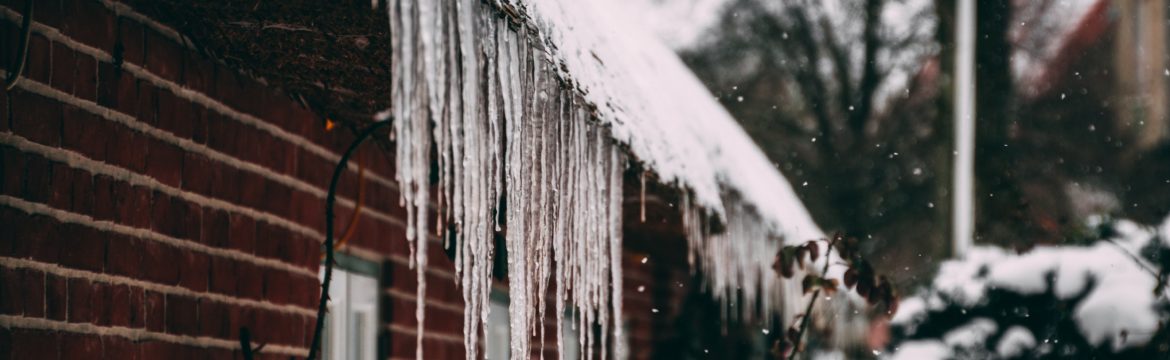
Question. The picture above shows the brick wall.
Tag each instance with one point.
(153, 202)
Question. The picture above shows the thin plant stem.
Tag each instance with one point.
(813, 301)
(329, 200)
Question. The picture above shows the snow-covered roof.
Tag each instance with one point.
(657, 107)
(562, 84)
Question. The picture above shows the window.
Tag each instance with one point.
(570, 333)
(351, 325)
(498, 343)
(498, 336)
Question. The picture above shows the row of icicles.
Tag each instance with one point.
(507, 131)
(465, 83)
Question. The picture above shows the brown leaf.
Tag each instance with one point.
(850, 277)
(810, 281)
(813, 250)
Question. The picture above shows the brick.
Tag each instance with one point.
(155, 311)
(223, 276)
(199, 124)
(251, 187)
(37, 64)
(137, 306)
(64, 68)
(242, 233)
(119, 88)
(159, 350)
(215, 227)
(50, 13)
(82, 248)
(118, 303)
(190, 220)
(268, 239)
(4, 110)
(147, 103)
(228, 86)
(32, 288)
(276, 286)
(160, 260)
(224, 181)
(199, 73)
(85, 82)
(11, 299)
(182, 315)
(35, 344)
(56, 297)
(250, 281)
(9, 34)
(105, 205)
(15, 164)
(36, 118)
(60, 186)
(81, 187)
(237, 317)
(251, 145)
(119, 348)
(292, 249)
(133, 204)
(95, 25)
(302, 209)
(38, 172)
(276, 200)
(213, 319)
(16, 218)
(194, 270)
(36, 237)
(131, 41)
(183, 118)
(164, 162)
(124, 256)
(305, 292)
(81, 346)
(5, 344)
(164, 57)
(126, 148)
(84, 301)
(167, 215)
(166, 110)
(221, 133)
(84, 133)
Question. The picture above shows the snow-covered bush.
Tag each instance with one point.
(1105, 299)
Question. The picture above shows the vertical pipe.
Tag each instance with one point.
(964, 217)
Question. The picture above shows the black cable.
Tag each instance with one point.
(362, 136)
(22, 54)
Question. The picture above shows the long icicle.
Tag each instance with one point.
(488, 98)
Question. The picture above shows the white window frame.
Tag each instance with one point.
(352, 317)
(497, 333)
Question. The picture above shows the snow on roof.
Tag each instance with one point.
(656, 106)
(557, 82)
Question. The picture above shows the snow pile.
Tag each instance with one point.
(1099, 297)
(525, 115)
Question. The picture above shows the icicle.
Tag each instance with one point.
(642, 196)
(616, 169)
(504, 125)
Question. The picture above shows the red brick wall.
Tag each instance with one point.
(154, 207)
(153, 202)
